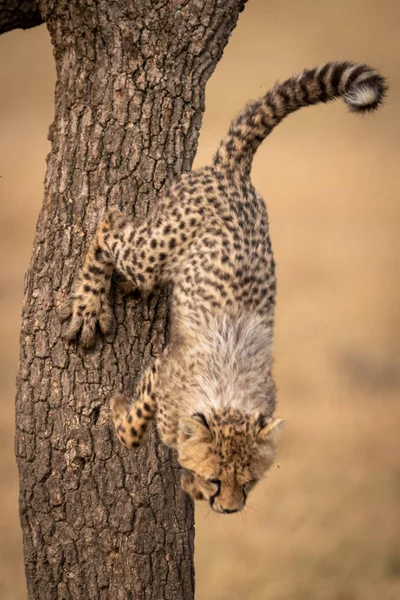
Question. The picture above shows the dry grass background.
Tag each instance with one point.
(324, 525)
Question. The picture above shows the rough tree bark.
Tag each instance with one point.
(99, 521)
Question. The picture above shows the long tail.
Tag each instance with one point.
(361, 87)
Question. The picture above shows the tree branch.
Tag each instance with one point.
(19, 14)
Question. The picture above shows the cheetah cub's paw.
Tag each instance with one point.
(87, 310)
(127, 428)
(190, 485)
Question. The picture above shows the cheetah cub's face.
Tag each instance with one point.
(225, 455)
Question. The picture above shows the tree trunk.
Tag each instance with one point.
(100, 521)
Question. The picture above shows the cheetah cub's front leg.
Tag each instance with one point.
(131, 418)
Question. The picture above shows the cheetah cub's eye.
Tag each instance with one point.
(214, 481)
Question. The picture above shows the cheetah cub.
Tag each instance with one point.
(211, 391)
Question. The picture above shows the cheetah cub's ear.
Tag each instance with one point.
(268, 429)
(194, 428)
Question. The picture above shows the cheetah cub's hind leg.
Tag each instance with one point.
(119, 244)
(132, 417)
(89, 304)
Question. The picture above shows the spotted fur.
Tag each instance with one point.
(212, 390)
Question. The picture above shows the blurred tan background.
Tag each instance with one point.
(325, 524)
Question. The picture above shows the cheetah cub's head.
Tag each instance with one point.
(225, 455)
